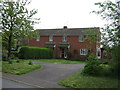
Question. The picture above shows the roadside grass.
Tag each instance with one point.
(60, 61)
(0, 66)
(18, 68)
(79, 81)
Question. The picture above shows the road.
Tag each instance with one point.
(12, 84)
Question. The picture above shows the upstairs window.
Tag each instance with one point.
(83, 51)
(81, 38)
(64, 39)
(51, 38)
(38, 38)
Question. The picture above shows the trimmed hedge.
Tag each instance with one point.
(35, 53)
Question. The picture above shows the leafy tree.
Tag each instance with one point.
(111, 32)
(93, 37)
(111, 12)
(16, 21)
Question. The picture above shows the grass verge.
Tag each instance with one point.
(79, 81)
(60, 61)
(19, 68)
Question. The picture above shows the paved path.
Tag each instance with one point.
(12, 84)
(47, 76)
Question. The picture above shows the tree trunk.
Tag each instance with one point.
(9, 46)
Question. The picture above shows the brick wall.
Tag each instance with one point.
(75, 45)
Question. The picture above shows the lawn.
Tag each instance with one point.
(60, 61)
(79, 81)
(19, 68)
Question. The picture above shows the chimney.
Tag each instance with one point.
(65, 27)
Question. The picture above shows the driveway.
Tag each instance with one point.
(47, 76)
(11, 84)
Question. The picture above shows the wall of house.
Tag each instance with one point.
(74, 49)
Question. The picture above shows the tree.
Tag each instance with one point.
(111, 12)
(16, 21)
(111, 33)
(93, 37)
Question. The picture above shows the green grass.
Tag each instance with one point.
(79, 81)
(0, 66)
(60, 61)
(19, 68)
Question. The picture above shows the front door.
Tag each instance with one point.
(63, 52)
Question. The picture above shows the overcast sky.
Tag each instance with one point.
(71, 13)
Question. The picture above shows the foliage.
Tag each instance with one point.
(110, 11)
(92, 68)
(81, 81)
(111, 32)
(16, 21)
(92, 36)
(4, 54)
(30, 63)
(115, 62)
(19, 68)
(18, 61)
(10, 62)
(5, 41)
(15, 53)
(35, 53)
(95, 67)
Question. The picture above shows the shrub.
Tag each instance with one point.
(30, 63)
(15, 53)
(35, 53)
(115, 62)
(18, 61)
(10, 62)
(96, 67)
(92, 67)
(4, 54)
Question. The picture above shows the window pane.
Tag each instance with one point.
(38, 39)
(83, 51)
(50, 38)
(81, 38)
(64, 38)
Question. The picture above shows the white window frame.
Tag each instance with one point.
(64, 38)
(81, 38)
(98, 53)
(51, 38)
(83, 51)
(38, 38)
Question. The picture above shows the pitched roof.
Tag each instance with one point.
(66, 31)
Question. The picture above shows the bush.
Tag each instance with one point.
(96, 67)
(92, 67)
(30, 63)
(15, 53)
(4, 54)
(115, 62)
(10, 62)
(18, 61)
(35, 53)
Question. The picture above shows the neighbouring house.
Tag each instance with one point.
(67, 42)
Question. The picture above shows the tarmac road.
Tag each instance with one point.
(12, 84)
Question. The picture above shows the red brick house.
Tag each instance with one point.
(66, 42)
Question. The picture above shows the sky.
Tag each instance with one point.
(70, 13)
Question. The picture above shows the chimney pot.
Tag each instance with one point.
(65, 27)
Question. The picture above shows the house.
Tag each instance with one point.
(67, 42)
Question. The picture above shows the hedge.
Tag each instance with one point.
(27, 52)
